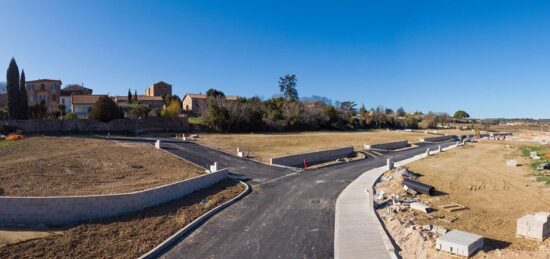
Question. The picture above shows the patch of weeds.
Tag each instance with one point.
(526, 151)
(5, 143)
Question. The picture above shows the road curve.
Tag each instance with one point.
(287, 215)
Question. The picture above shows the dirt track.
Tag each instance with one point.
(125, 237)
(47, 166)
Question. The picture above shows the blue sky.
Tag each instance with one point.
(491, 58)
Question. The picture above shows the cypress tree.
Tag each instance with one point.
(129, 96)
(23, 98)
(12, 87)
(135, 96)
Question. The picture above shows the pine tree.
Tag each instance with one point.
(12, 81)
(129, 96)
(23, 98)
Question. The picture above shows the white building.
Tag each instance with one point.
(459, 243)
(82, 104)
(534, 226)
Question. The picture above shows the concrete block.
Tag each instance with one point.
(389, 164)
(511, 163)
(157, 144)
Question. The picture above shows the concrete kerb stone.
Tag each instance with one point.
(386, 239)
(159, 249)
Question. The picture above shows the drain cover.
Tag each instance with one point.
(315, 201)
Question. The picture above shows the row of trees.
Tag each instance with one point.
(18, 107)
(288, 113)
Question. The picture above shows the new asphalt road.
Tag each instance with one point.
(289, 214)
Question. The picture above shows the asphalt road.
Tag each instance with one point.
(289, 214)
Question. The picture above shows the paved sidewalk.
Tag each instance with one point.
(358, 233)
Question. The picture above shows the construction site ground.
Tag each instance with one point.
(266, 146)
(51, 166)
(126, 237)
(493, 195)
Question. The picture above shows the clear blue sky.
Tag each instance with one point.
(491, 58)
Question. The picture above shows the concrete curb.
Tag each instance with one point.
(386, 238)
(159, 249)
(339, 244)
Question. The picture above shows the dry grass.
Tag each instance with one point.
(266, 146)
(46, 166)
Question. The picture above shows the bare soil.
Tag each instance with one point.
(48, 166)
(266, 146)
(494, 195)
(129, 236)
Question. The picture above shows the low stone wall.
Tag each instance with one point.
(437, 139)
(151, 124)
(313, 157)
(63, 210)
(389, 145)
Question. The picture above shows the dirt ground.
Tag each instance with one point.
(48, 166)
(126, 237)
(494, 195)
(266, 146)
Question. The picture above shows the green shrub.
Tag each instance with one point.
(105, 110)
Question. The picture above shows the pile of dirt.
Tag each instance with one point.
(48, 166)
(129, 236)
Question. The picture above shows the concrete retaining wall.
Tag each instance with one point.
(86, 126)
(437, 139)
(62, 210)
(313, 157)
(389, 145)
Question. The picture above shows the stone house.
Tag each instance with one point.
(44, 90)
(197, 104)
(159, 89)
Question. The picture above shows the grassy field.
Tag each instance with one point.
(266, 146)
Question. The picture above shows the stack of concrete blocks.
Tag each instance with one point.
(459, 243)
(535, 226)
(511, 163)
(389, 164)
(157, 144)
